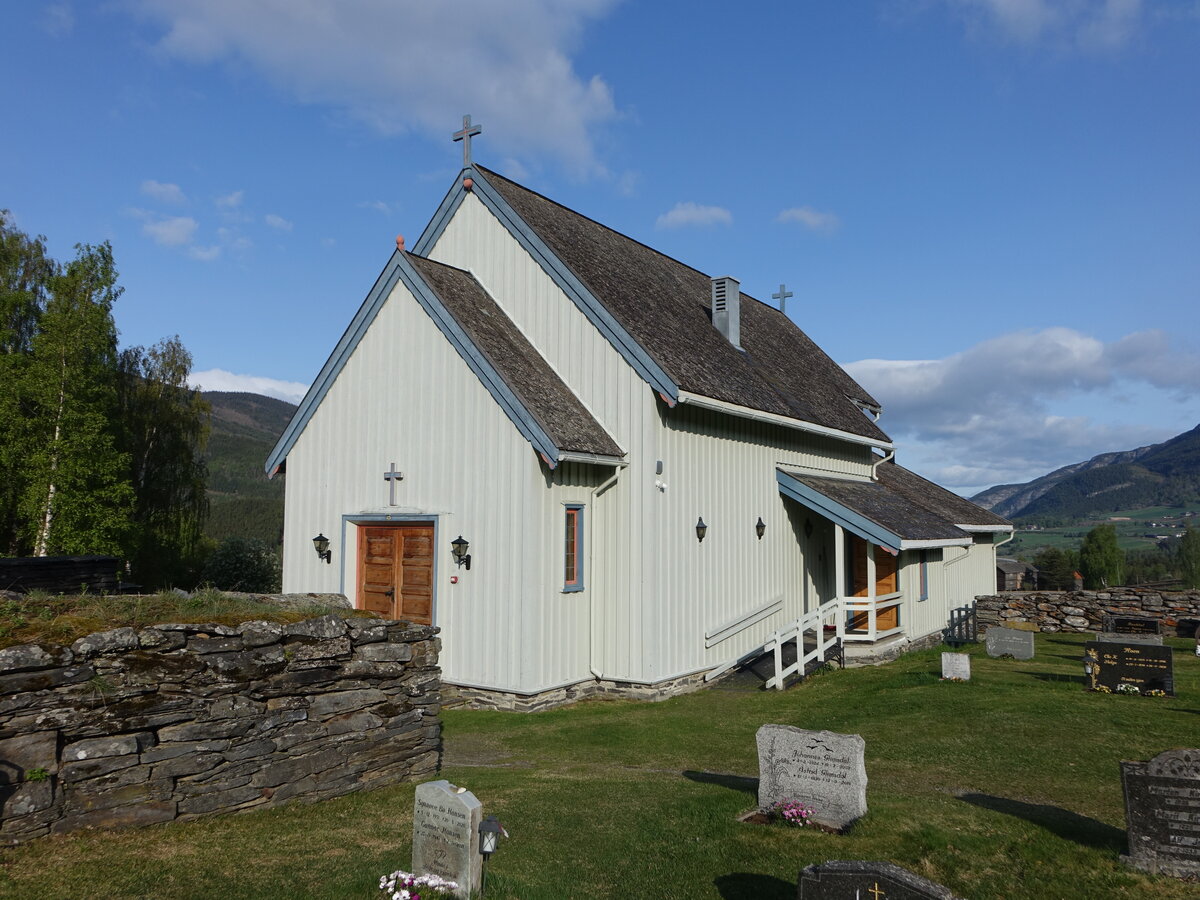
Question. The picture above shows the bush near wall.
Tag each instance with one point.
(1084, 611)
(136, 726)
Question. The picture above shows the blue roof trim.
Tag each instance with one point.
(836, 512)
(595, 311)
(400, 269)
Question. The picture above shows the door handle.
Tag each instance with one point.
(390, 592)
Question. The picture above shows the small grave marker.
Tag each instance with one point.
(1009, 641)
(1162, 813)
(839, 879)
(1116, 637)
(824, 769)
(1132, 625)
(956, 666)
(1109, 665)
(446, 834)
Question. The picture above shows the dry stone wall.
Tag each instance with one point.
(1084, 611)
(132, 727)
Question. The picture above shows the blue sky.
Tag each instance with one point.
(988, 210)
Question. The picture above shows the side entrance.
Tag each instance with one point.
(395, 570)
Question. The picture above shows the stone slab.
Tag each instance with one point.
(824, 769)
(1132, 625)
(842, 879)
(1116, 637)
(446, 835)
(1108, 665)
(957, 666)
(1162, 813)
(1002, 641)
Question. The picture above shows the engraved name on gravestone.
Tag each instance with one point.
(1009, 642)
(824, 769)
(840, 879)
(956, 665)
(1107, 665)
(1132, 625)
(446, 834)
(1116, 637)
(1162, 813)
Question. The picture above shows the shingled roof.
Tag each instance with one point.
(543, 394)
(937, 499)
(665, 306)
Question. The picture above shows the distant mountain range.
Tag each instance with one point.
(242, 501)
(1166, 474)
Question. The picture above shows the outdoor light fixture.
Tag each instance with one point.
(760, 528)
(701, 529)
(490, 831)
(321, 545)
(460, 546)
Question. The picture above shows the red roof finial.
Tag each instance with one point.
(400, 242)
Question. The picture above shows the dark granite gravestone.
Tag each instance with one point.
(1115, 637)
(1009, 642)
(1132, 625)
(1162, 813)
(1144, 666)
(862, 880)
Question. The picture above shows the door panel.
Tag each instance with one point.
(395, 570)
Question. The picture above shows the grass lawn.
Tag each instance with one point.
(1004, 786)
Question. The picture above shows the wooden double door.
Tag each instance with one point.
(395, 570)
(886, 582)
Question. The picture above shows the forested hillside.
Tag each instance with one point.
(242, 501)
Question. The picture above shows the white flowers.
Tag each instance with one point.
(400, 885)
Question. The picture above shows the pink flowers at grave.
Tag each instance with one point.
(401, 885)
(793, 812)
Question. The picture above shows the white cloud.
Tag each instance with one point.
(232, 200)
(694, 214)
(163, 192)
(377, 205)
(277, 222)
(221, 380)
(1014, 407)
(810, 218)
(59, 19)
(405, 65)
(171, 232)
(204, 254)
(1090, 24)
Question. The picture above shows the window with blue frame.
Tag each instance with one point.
(573, 549)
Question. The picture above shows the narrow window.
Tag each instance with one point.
(573, 550)
(924, 575)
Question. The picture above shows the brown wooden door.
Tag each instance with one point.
(395, 570)
(886, 582)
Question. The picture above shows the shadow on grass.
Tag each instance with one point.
(1062, 822)
(742, 783)
(1056, 676)
(747, 886)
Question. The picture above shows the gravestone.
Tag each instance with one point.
(1108, 665)
(1009, 642)
(840, 879)
(1162, 813)
(1117, 637)
(824, 769)
(446, 834)
(956, 665)
(1132, 625)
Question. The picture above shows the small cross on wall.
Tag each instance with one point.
(391, 476)
(468, 131)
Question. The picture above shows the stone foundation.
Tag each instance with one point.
(885, 651)
(1084, 611)
(479, 698)
(132, 727)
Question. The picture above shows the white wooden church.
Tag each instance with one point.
(596, 468)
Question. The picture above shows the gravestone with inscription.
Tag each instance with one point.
(841, 879)
(446, 834)
(824, 769)
(1108, 665)
(1117, 637)
(1009, 642)
(956, 666)
(1162, 813)
(1132, 625)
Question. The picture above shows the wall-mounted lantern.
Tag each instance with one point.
(701, 529)
(460, 546)
(760, 528)
(490, 831)
(321, 545)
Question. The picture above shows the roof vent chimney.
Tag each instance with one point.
(727, 309)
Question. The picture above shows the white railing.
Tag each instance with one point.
(814, 621)
(828, 623)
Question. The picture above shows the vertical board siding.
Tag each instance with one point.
(466, 467)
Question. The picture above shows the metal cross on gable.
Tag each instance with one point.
(391, 476)
(782, 296)
(468, 131)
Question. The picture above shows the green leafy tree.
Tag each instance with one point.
(164, 428)
(1101, 561)
(1056, 569)
(243, 565)
(1189, 558)
(76, 495)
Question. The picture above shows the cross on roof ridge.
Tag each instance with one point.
(468, 131)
